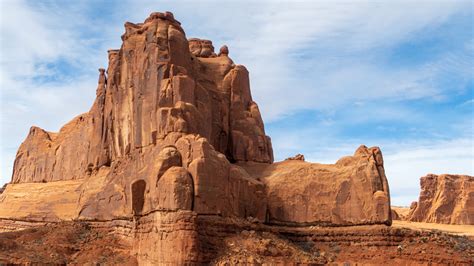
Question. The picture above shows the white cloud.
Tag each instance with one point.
(30, 41)
(29, 37)
(405, 165)
(46, 105)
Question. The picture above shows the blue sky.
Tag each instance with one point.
(327, 75)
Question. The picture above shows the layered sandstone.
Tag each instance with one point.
(174, 135)
(228, 241)
(447, 199)
(158, 107)
(352, 191)
(171, 127)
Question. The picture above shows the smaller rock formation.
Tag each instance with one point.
(201, 48)
(395, 215)
(352, 191)
(400, 213)
(297, 157)
(224, 51)
(413, 206)
(447, 199)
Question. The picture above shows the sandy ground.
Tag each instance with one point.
(466, 230)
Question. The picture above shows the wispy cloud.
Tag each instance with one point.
(406, 164)
(42, 76)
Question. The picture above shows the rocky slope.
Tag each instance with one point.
(447, 199)
(229, 241)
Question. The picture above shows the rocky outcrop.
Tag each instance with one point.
(201, 48)
(157, 95)
(171, 127)
(154, 86)
(447, 199)
(352, 191)
(298, 157)
(400, 213)
(173, 135)
(395, 215)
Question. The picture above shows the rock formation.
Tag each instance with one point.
(298, 157)
(175, 135)
(354, 190)
(158, 95)
(447, 199)
(395, 215)
(400, 213)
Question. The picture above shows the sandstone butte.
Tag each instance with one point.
(447, 199)
(173, 158)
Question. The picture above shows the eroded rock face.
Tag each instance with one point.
(174, 136)
(154, 86)
(201, 48)
(159, 105)
(352, 191)
(447, 199)
(174, 129)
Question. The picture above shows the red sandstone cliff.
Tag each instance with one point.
(157, 94)
(174, 134)
(447, 199)
(170, 121)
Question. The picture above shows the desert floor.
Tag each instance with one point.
(466, 230)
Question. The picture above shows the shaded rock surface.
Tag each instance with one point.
(395, 215)
(447, 199)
